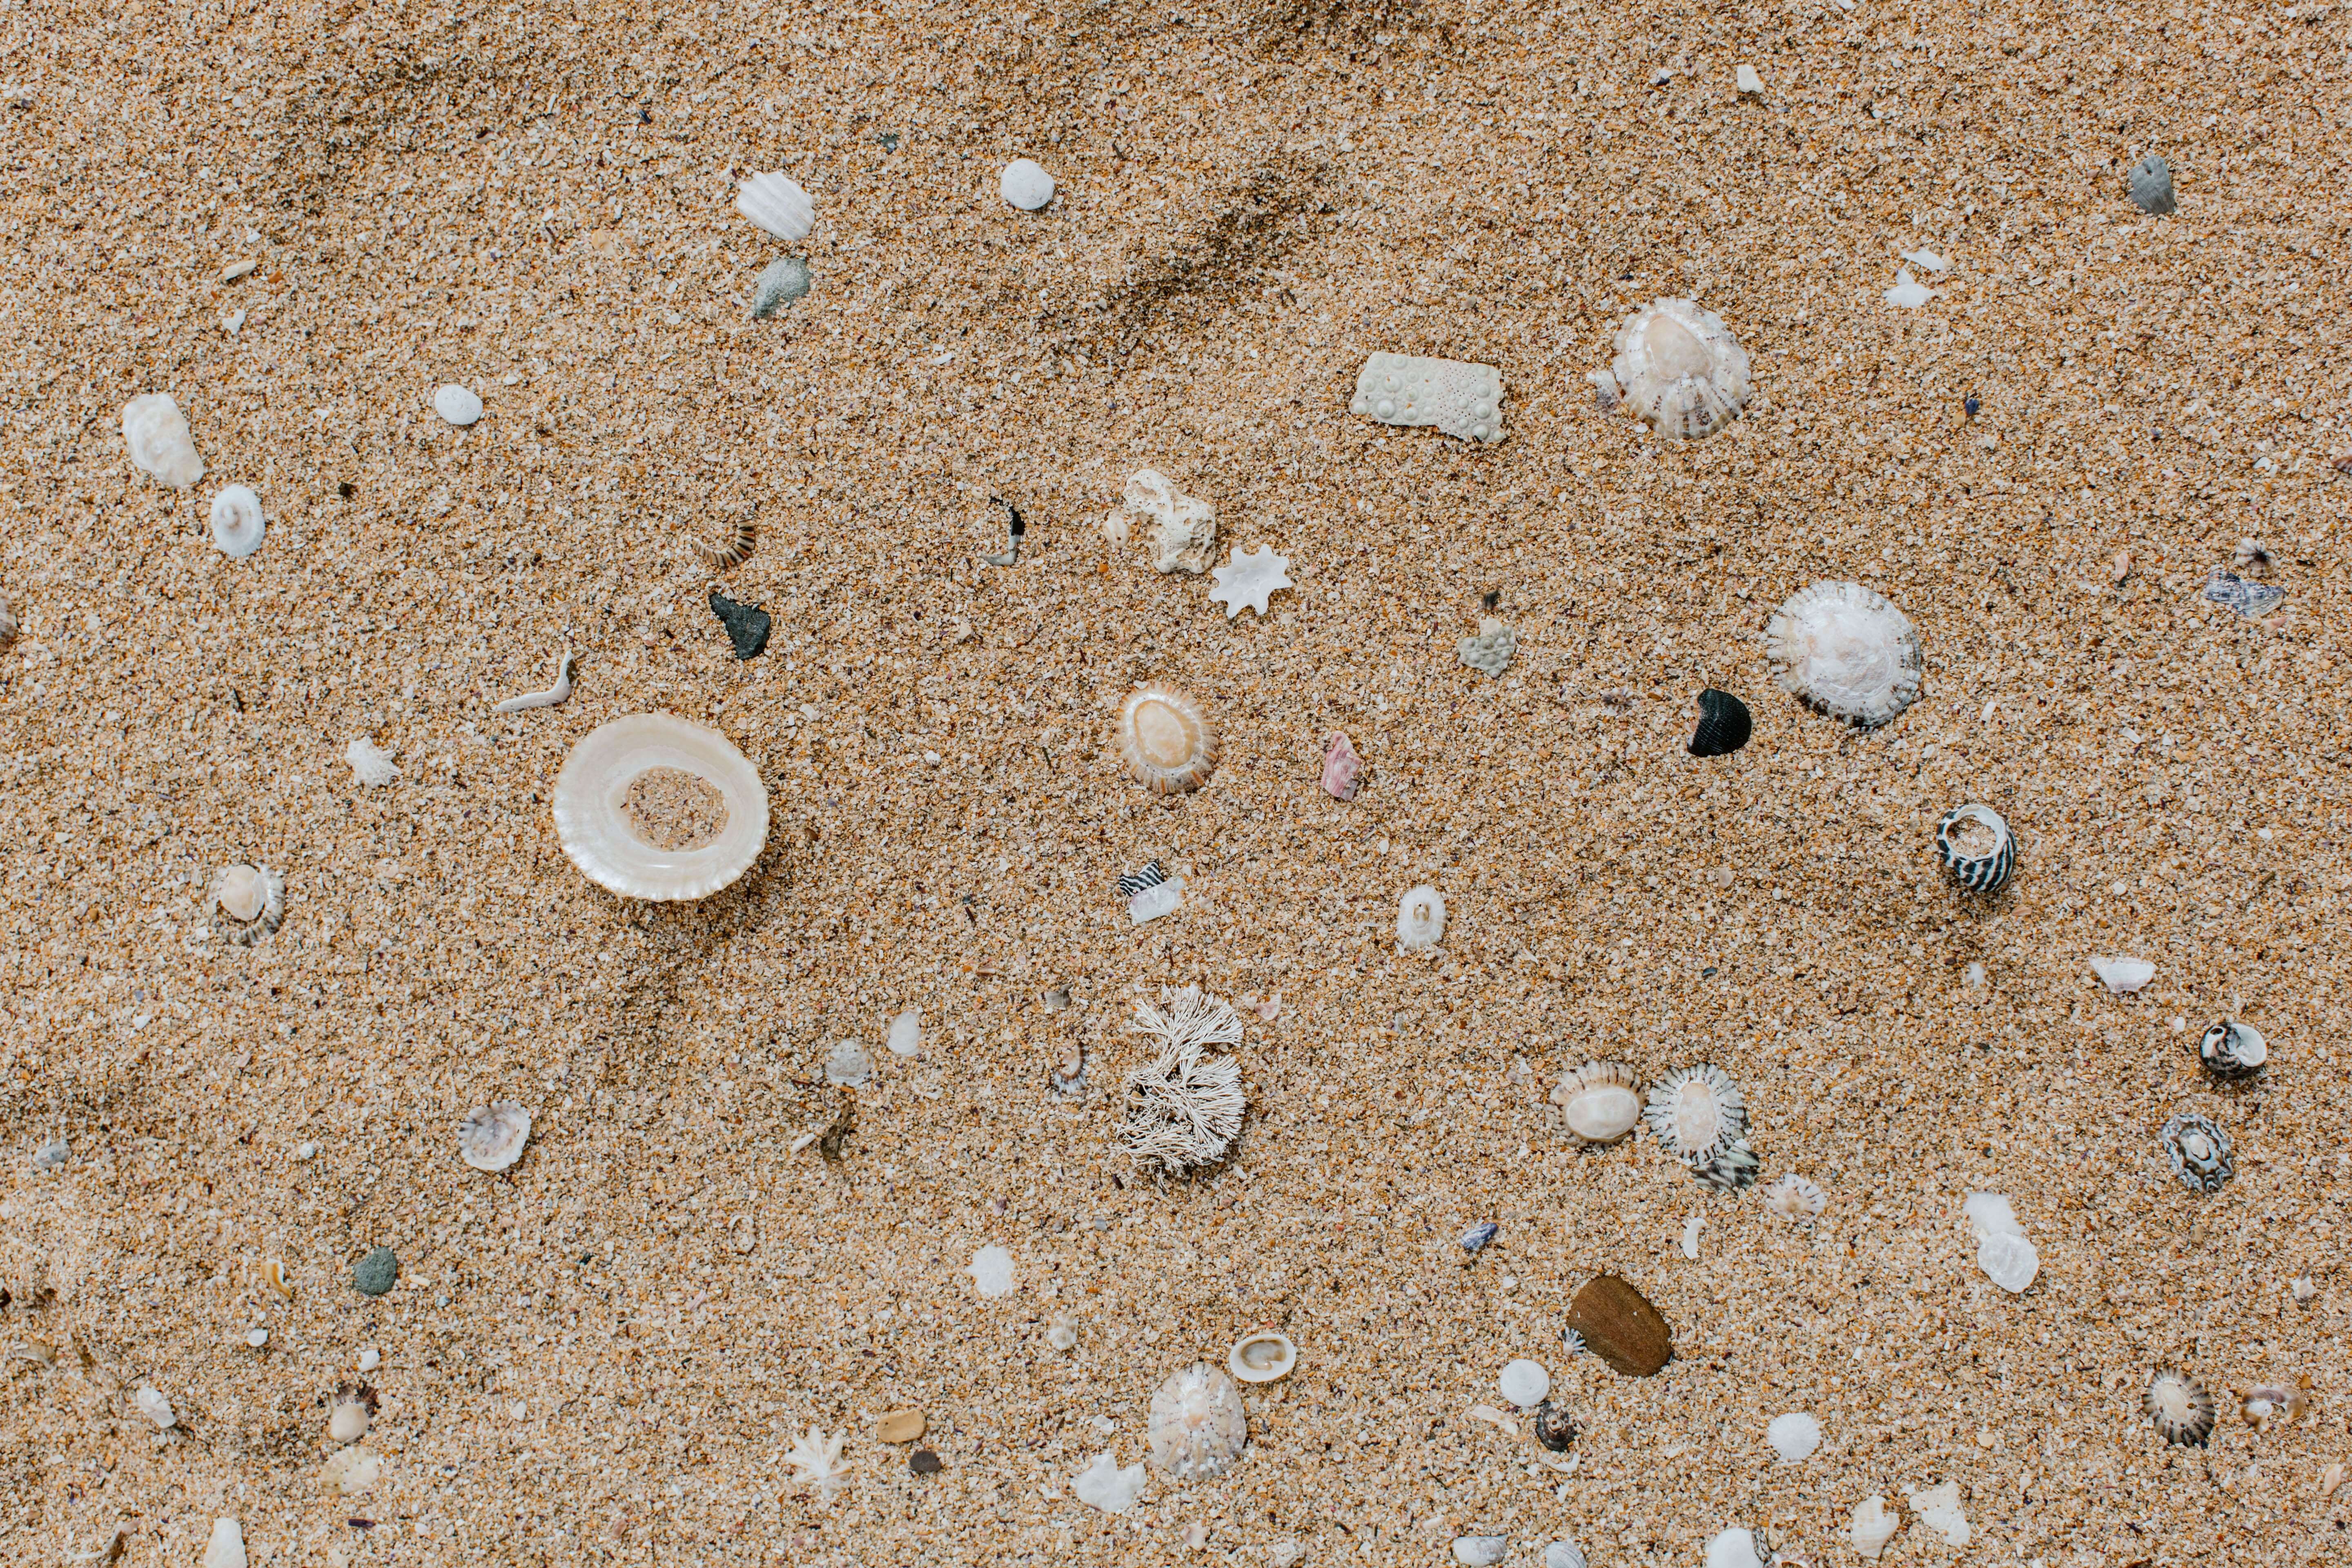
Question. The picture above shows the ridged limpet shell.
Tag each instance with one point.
(592, 818)
(1169, 742)
(1843, 651)
(2182, 1411)
(1697, 1112)
(1198, 1425)
(1601, 1101)
(1262, 1356)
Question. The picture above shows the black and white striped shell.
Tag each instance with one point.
(1732, 1168)
(1977, 846)
(2199, 1152)
(1694, 1113)
(2233, 1050)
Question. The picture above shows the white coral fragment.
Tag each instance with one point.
(1105, 1486)
(1939, 1509)
(1461, 399)
(372, 766)
(1187, 524)
(1184, 1105)
(817, 1460)
(1906, 294)
(1248, 581)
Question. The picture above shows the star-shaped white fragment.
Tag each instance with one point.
(1250, 580)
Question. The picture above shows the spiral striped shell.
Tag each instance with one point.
(1977, 846)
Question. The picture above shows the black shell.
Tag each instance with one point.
(1555, 1427)
(2230, 1051)
(1986, 873)
(1724, 724)
(1731, 1168)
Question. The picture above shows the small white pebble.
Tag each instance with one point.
(457, 404)
(1690, 1236)
(1749, 82)
(1025, 185)
(992, 1271)
(257, 1338)
(369, 1359)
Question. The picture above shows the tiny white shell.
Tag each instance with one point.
(1794, 1437)
(1794, 1197)
(491, 1137)
(1261, 1356)
(1733, 1548)
(1481, 1550)
(2122, 975)
(1025, 185)
(227, 1547)
(777, 203)
(596, 833)
(2010, 1261)
(1600, 1101)
(160, 447)
(237, 522)
(906, 1036)
(348, 1421)
(1421, 919)
(1198, 1425)
(457, 404)
(1873, 1526)
(155, 1407)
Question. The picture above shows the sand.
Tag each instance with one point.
(602, 1354)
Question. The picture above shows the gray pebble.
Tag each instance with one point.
(373, 1275)
(785, 282)
(2151, 185)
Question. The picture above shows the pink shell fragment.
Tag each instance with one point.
(1340, 766)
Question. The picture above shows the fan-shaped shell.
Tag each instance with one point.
(1844, 651)
(1794, 1197)
(1679, 368)
(1600, 1101)
(1261, 1356)
(2181, 1410)
(491, 1136)
(237, 521)
(2200, 1153)
(1696, 1111)
(1977, 847)
(1198, 1426)
(777, 203)
(1168, 740)
(601, 842)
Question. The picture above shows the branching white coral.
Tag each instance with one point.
(817, 1460)
(1184, 1107)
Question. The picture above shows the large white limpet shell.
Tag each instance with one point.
(595, 831)
(778, 204)
(1843, 651)
(1600, 1101)
(1198, 1425)
(1680, 370)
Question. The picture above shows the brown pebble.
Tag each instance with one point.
(1620, 1327)
(899, 1426)
(923, 1462)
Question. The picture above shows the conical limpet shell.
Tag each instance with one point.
(1169, 742)
(2199, 1152)
(2182, 1412)
(1977, 846)
(1262, 1356)
(1600, 1101)
(1794, 1197)
(1679, 370)
(1842, 650)
(1198, 1425)
(1696, 1111)
(606, 838)
(491, 1137)
(237, 521)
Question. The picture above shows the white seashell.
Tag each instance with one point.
(1168, 739)
(1264, 1356)
(1680, 370)
(457, 404)
(1105, 1486)
(2180, 1409)
(2122, 975)
(1187, 524)
(1939, 1509)
(1794, 1197)
(227, 1547)
(554, 695)
(1524, 1382)
(348, 1422)
(250, 901)
(1563, 1554)
(1907, 294)
(992, 1271)
(257, 1338)
(239, 892)
(1198, 1426)
(847, 1065)
(1246, 582)
(1159, 899)
(160, 447)
(1421, 919)
(1062, 1332)
(155, 1407)
(1695, 1112)
(1691, 1228)
(1600, 1102)
(1481, 1550)
(1733, 1549)
(1025, 185)
(350, 1472)
(609, 850)
(371, 766)
(491, 1136)
(1927, 259)
(1461, 399)
(777, 203)
(1842, 650)
(1748, 81)
(2010, 1261)
(370, 1359)
(237, 522)
(1794, 1437)
(906, 1036)
(1989, 1213)
(1873, 1525)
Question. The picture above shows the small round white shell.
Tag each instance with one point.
(1679, 369)
(1794, 1437)
(777, 203)
(457, 404)
(1843, 651)
(1261, 1356)
(491, 1136)
(1025, 185)
(1794, 1197)
(1421, 919)
(1600, 1101)
(1524, 1382)
(595, 830)
(237, 521)
(1198, 1425)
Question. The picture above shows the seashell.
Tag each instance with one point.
(1169, 742)
(1461, 399)
(1481, 1550)
(1939, 1509)
(491, 1136)
(747, 625)
(1184, 1107)
(1187, 524)
(1198, 1426)
(1134, 882)
(372, 766)
(227, 1547)
(1490, 651)
(350, 1472)
(1794, 1197)
(160, 447)
(1749, 84)
(1733, 1549)
(1732, 1168)
(1421, 919)
(1724, 724)
(1025, 185)
(784, 281)
(273, 1274)
(2150, 184)
(1873, 1526)
(237, 521)
(53, 1155)
(1474, 1240)
(1262, 1356)
(1563, 1554)
(847, 1065)
(248, 903)
(1680, 370)
(2331, 1478)
(2258, 1407)
(1794, 1437)
(1908, 293)
(1696, 1111)
(373, 1274)
(602, 815)
(2182, 1411)
(2009, 1261)
(1843, 651)
(347, 1420)
(457, 404)
(256, 1337)
(777, 203)
(732, 549)
(155, 1407)
(906, 1036)
(992, 1271)
(1555, 1427)
(1105, 1486)
(2251, 555)
(1341, 767)
(8, 626)
(369, 1358)
(2199, 1152)
(554, 695)
(2231, 1050)
(1062, 1332)
(1247, 581)
(2249, 601)
(1600, 1101)
(1619, 1325)
(1977, 847)
(2122, 975)
(1524, 1382)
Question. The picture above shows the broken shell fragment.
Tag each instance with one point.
(155, 1407)
(2150, 184)
(1977, 847)
(1731, 1168)
(1168, 740)
(491, 1136)
(1795, 1198)
(777, 203)
(2182, 1412)
(1198, 1426)
(1461, 399)
(1679, 370)
(784, 281)
(248, 903)
(160, 447)
(1341, 767)
(1842, 650)
(1187, 525)
(1264, 1356)
(1724, 724)
(603, 828)
(2122, 975)
(2231, 1050)
(1618, 1324)
(1873, 1524)
(1600, 1102)
(2199, 1152)
(350, 1472)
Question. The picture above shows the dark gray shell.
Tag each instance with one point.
(2150, 181)
(784, 282)
(2231, 1050)
(747, 625)
(1986, 873)
(1724, 724)
(2200, 1153)
(2247, 601)
(1555, 1427)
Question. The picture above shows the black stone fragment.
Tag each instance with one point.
(747, 625)
(1971, 404)
(923, 1462)
(1724, 724)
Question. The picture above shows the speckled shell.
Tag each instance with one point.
(1984, 873)
(1461, 399)
(777, 203)
(1168, 740)
(597, 833)
(1600, 1101)
(491, 1137)
(2182, 1411)
(1842, 650)
(1696, 1111)
(1794, 1197)
(1679, 369)
(2231, 1050)
(2200, 1153)
(1198, 1426)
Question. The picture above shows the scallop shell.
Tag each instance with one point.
(1844, 651)
(1420, 917)
(2182, 1412)
(1873, 1526)
(1600, 1101)
(1794, 1437)
(1481, 1550)
(2199, 1152)
(1563, 1554)
(2233, 1050)
(237, 522)
(777, 203)
(491, 1136)
(1794, 1197)
(1694, 1112)
(1264, 1356)
(160, 447)
(1198, 1426)
(248, 903)
(2150, 184)
(1724, 724)
(1169, 742)
(1679, 369)
(595, 831)
(1977, 846)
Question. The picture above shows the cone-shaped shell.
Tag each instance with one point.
(1619, 1325)
(1600, 1100)
(1679, 368)
(1842, 650)
(1198, 1426)
(2182, 1411)
(1169, 742)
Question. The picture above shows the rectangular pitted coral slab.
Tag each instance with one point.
(1459, 398)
